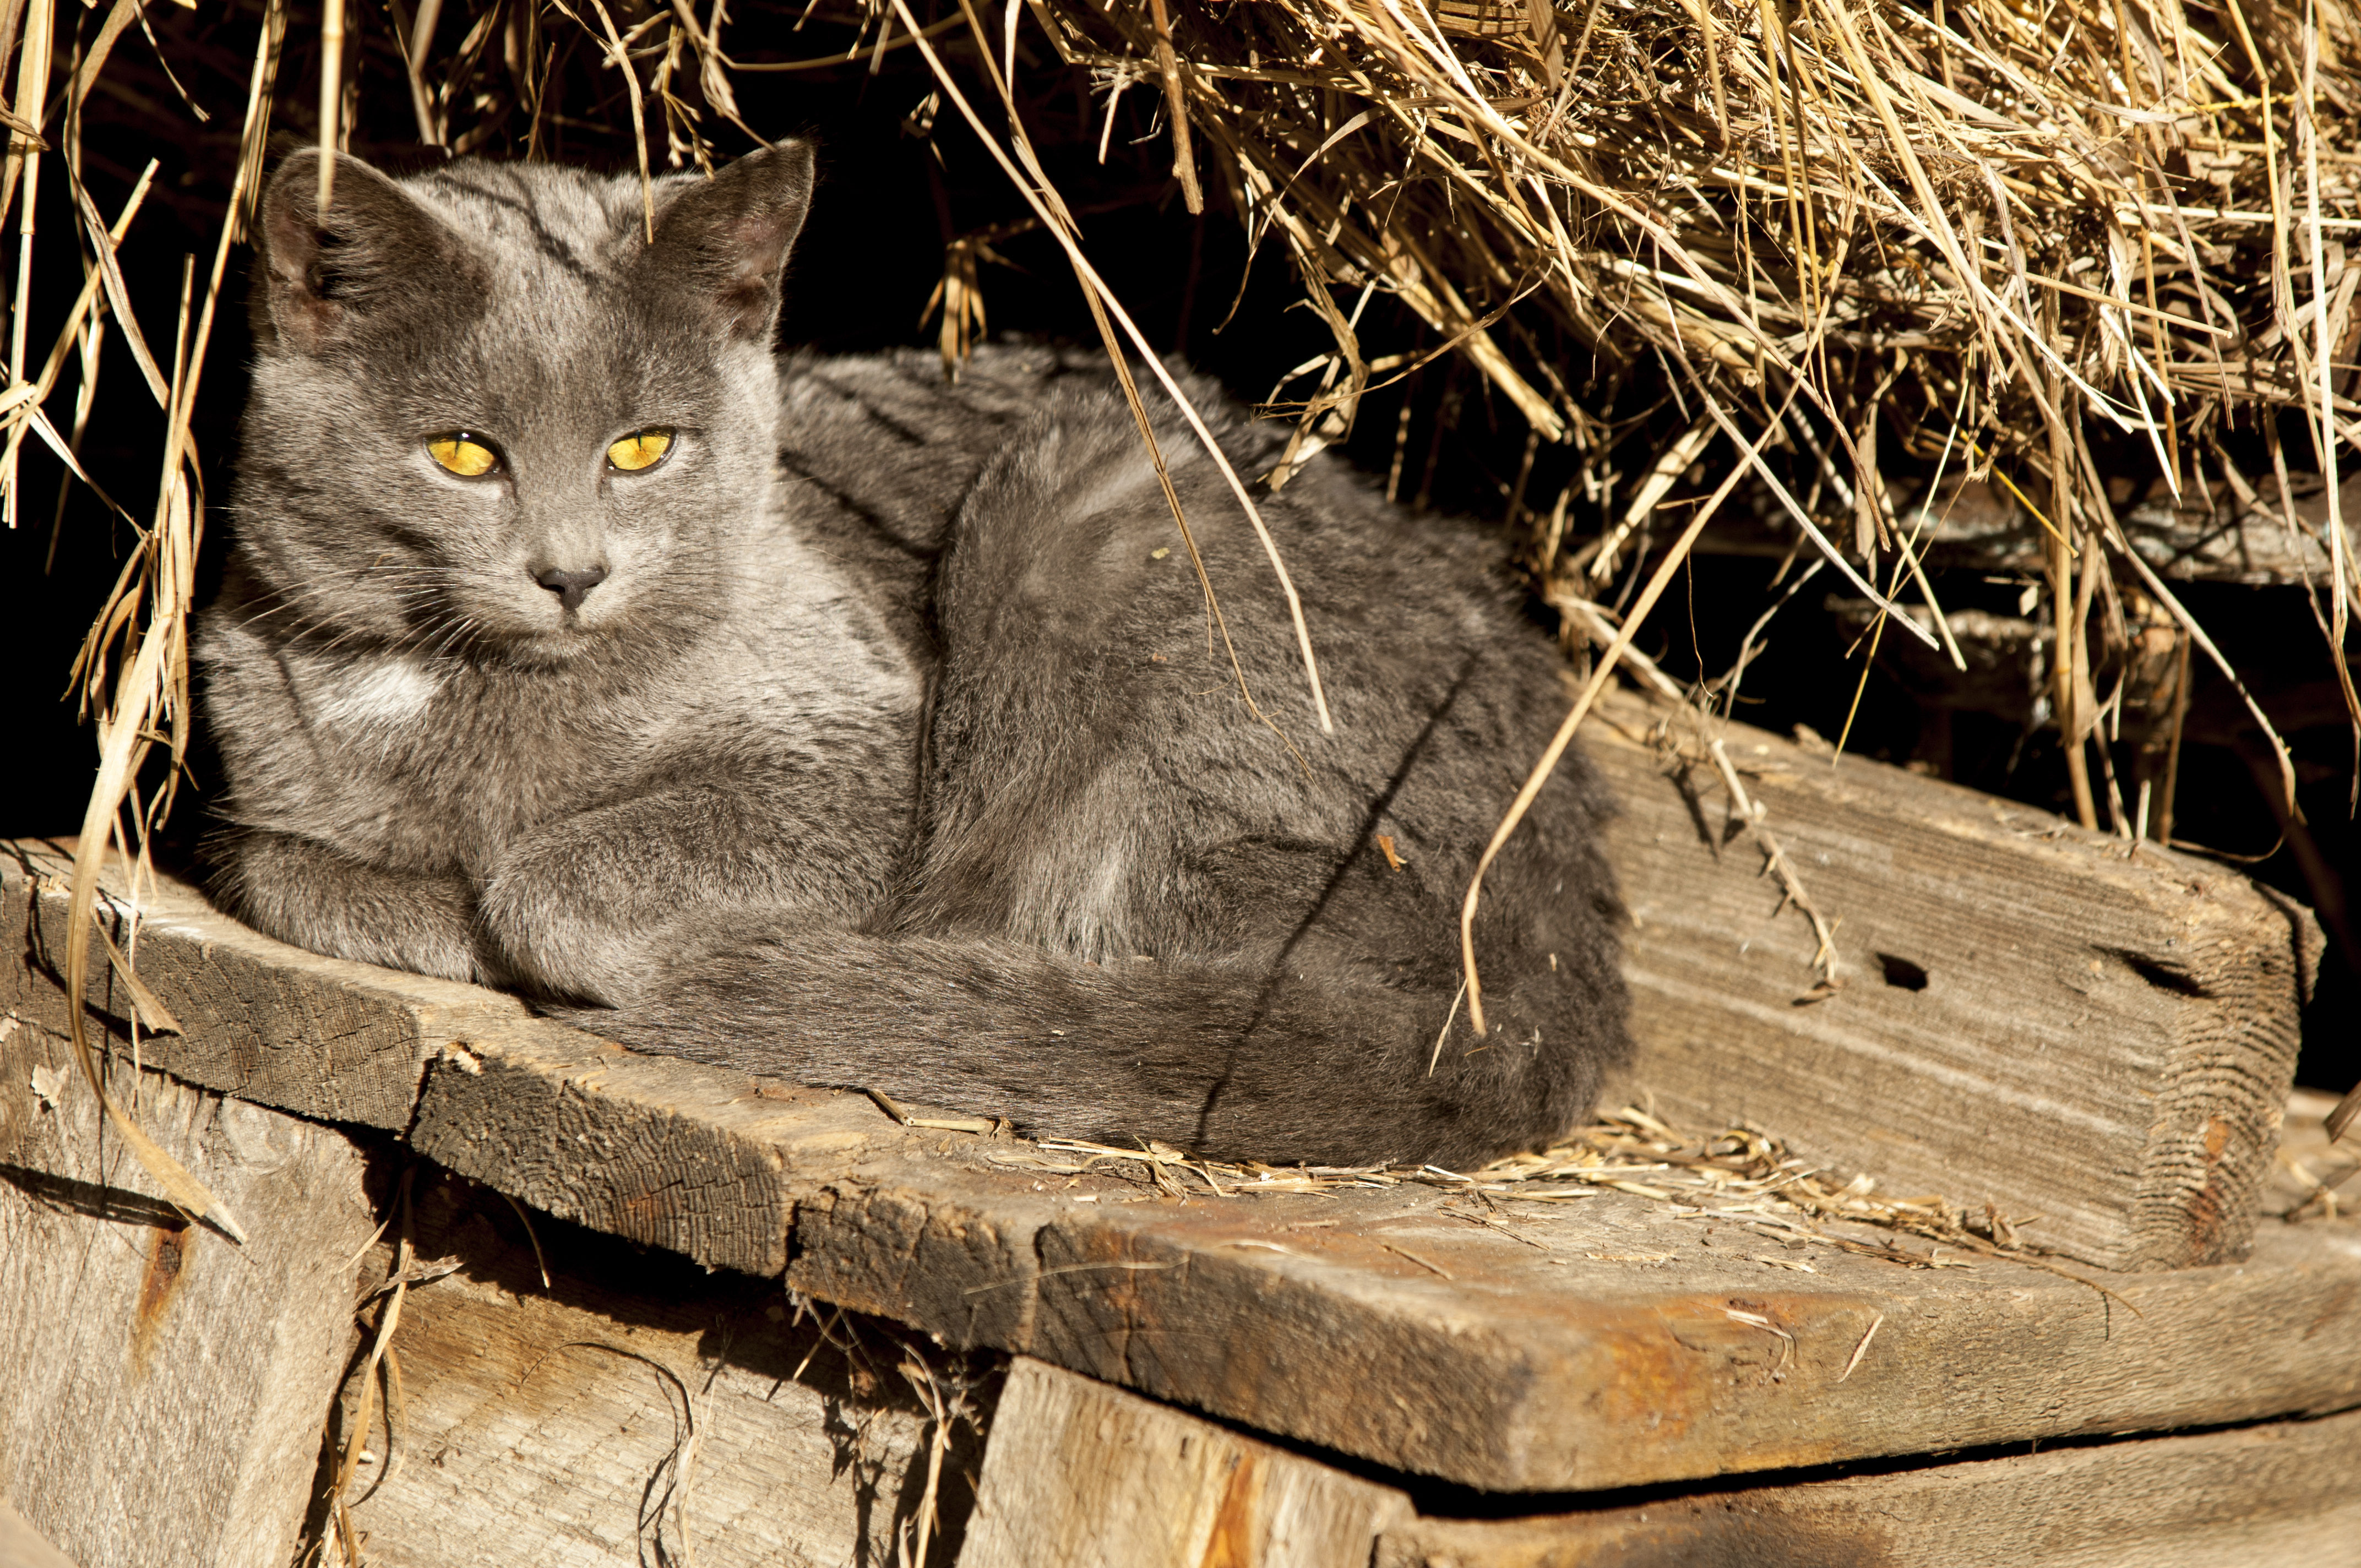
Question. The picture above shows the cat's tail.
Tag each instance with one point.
(1284, 1061)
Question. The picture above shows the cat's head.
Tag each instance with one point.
(512, 409)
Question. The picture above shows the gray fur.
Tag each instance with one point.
(895, 750)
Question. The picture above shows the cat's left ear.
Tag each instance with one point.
(728, 238)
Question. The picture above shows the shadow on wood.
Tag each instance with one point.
(639, 1408)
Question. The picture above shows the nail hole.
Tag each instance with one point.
(2163, 977)
(1901, 973)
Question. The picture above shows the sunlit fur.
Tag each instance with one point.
(893, 750)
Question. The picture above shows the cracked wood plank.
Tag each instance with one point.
(2099, 1044)
(2282, 1493)
(165, 1389)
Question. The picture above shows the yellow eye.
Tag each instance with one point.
(641, 449)
(462, 455)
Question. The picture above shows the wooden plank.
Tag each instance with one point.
(2263, 1495)
(1971, 526)
(2213, 535)
(1079, 1475)
(532, 1431)
(267, 1023)
(1082, 1475)
(2099, 1044)
(1608, 1342)
(688, 1157)
(702, 1161)
(165, 1389)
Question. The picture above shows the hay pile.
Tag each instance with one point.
(1870, 249)
(2058, 248)
(1952, 211)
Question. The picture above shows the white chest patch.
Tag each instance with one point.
(382, 692)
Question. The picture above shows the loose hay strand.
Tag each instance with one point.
(1555, 751)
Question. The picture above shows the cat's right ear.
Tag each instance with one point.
(325, 276)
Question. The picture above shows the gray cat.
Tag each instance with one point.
(822, 720)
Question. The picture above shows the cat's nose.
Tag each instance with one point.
(571, 587)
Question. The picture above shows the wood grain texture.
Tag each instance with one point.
(531, 1432)
(2099, 1044)
(165, 1389)
(697, 1159)
(267, 1023)
(1082, 1475)
(1607, 1343)
(2262, 1497)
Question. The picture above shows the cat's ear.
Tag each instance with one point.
(325, 275)
(728, 238)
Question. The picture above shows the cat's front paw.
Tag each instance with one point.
(548, 925)
(303, 892)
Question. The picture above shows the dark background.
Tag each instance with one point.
(892, 196)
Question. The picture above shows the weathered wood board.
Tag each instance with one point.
(1605, 1343)
(2098, 1042)
(263, 1021)
(2258, 1497)
(664, 1152)
(536, 1427)
(1597, 1347)
(165, 1390)
(2217, 533)
(1082, 1475)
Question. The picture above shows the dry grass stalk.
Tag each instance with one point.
(134, 666)
(1050, 209)
(1565, 736)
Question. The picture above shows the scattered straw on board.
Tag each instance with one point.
(1741, 1174)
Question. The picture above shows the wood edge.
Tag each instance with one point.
(1201, 1492)
(1863, 783)
(22, 1546)
(2207, 1165)
(1752, 1523)
(2202, 1169)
